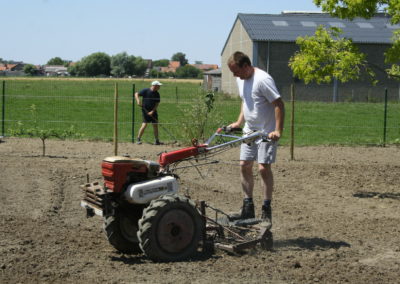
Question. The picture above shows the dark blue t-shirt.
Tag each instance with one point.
(150, 98)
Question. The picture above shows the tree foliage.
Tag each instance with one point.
(325, 56)
(95, 64)
(56, 61)
(76, 69)
(161, 63)
(140, 66)
(195, 119)
(181, 57)
(30, 69)
(188, 71)
(101, 64)
(3, 61)
(350, 9)
(122, 64)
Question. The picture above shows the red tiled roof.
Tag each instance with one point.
(5, 67)
(167, 69)
(174, 64)
(205, 66)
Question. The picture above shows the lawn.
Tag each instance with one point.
(88, 105)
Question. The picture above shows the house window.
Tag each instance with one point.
(393, 27)
(337, 24)
(365, 25)
(308, 24)
(280, 23)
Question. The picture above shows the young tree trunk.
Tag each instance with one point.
(43, 147)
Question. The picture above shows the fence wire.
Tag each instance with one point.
(88, 106)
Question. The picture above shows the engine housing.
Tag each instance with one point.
(145, 191)
(118, 171)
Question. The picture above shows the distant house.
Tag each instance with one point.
(149, 66)
(269, 40)
(12, 67)
(172, 66)
(212, 80)
(56, 70)
(16, 69)
(205, 67)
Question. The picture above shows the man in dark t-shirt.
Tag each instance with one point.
(150, 101)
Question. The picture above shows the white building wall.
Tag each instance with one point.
(238, 40)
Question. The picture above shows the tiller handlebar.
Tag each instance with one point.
(168, 158)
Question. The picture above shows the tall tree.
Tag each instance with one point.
(326, 56)
(3, 61)
(56, 61)
(188, 71)
(96, 64)
(181, 57)
(140, 66)
(349, 9)
(30, 69)
(161, 63)
(76, 69)
(122, 64)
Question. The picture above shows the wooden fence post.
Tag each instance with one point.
(133, 113)
(3, 106)
(385, 118)
(116, 120)
(292, 95)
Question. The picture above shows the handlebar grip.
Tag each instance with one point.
(237, 129)
(228, 129)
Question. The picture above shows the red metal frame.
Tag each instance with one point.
(171, 157)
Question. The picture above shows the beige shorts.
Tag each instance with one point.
(263, 152)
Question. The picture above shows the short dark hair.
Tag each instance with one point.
(239, 59)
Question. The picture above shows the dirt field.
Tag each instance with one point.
(336, 218)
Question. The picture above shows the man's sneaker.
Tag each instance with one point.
(266, 215)
(138, 141)
(158, 143)
(247, 212)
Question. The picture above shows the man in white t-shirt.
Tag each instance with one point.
(262, 110)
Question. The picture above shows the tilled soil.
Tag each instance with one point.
(336, 214)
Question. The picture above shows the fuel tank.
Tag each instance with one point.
(145, 191)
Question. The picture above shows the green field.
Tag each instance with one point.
(88, 105)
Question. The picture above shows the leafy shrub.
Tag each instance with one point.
(43, 134)
(197, 117)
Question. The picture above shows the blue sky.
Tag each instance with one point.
(35, 31)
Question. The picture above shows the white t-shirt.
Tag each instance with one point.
(257, 94)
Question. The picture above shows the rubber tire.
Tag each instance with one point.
(116, 235)
(170, 229)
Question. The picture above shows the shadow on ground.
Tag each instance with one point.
(310, 244)
(371, 194)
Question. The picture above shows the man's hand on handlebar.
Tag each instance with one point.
(233, 127)
(230, 129)
(274, 135)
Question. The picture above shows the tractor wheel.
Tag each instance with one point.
(121, 232)
(170, 229)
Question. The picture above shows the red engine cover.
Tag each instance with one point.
(115, 172)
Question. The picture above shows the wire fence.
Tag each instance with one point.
(88, 107)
